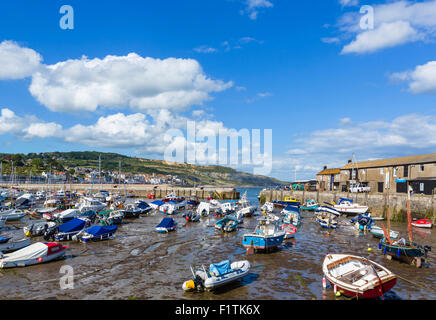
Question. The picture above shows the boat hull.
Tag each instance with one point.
(259, 242)
(368, 294)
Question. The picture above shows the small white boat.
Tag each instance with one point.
(66, 215)
(34, 254)
(14, 245)
(378, 233)
(12, 215)
(357, 277)
(348, 207)
(219, 274)
(268, 207)
(422, 223)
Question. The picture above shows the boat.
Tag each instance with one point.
(143, 206)
(110, 217)
(267, 207)
(193, 201)
(378, 233)
(358, 277)
(422, 223)
(191, 216)
(166, 225)
(348, 207)
(131, 211)
(289, 230)
(266, 236)
(96, 233)
(89, 203)
(291, 215)
(206, 208)
(67, 230)
(168, 208)
(173, 197)
(284, 203)
(227, 224)
(309, 205)
(219, 274)
(38, 228)
(40, 252)
(362, 222)
(66, 215)
(228, 207)
(328, 209)
(12, 215)
(327, 220)
(156, 204)
(10, 246)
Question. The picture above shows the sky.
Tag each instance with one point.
(330, 79)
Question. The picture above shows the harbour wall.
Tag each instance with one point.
(422, 206)
(138, 190)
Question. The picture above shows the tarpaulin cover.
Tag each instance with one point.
(166, 223)
(100, 230)
(33, 251)
(158, 202)
(75, 224)
(292, 209)
(143, 205)
(220, 268)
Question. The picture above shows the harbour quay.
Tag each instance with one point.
(140, 190)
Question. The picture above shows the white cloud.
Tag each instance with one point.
(395, 23)
(120, 81)
(421, 80)
(385, 36)
(330, 40)
(349, 3)
(205, 49)
(253, 6)
(17, 62)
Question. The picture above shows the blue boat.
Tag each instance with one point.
(228, 224)
(266, 236)
(309, 205)
(4, 239)
(291, 215)
(97, 233)
(144, 207)
(166, 225)
(406, 251)
(66, 231)
(326, 217)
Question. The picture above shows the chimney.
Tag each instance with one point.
(350, 160)
(325, 167)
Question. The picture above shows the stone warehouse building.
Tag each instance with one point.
(417, 171)
(328, 179)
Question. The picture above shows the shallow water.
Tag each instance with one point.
(140, 263)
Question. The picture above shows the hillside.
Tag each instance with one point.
(33, 164)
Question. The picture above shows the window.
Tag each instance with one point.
(421, 167)
(406, 171)
(395, 172)
(382, 171)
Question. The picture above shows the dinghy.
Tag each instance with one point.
(219, 274)
(289, 229)
(166, 225)
(10, 246)
(143, 206)
(111, 217)
(12, 215)
(291, 215)
(191, 216)
(66, 215)
(228, 224)
(362, 222)
(422, 223)
(309, 205)
(357, 277)
(36, 253)
(96, 233)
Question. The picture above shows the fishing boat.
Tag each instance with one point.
(143, 206)
(266, 236)
(66, 215)
(377, 232)
(131, 211)
(422, 223)
(96, 233)
(38, 228)
(355, 276)
(228, 207)
(219, 274)
(327, 220)
(40, 252)
(289, 230)
(348, 207)
(362, 222)
(166, 225)
(228, 224)
(309, 205)
(110, 217)
(10, 246)
(284, 203)
(192, 216)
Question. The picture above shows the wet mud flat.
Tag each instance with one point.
(140, 263)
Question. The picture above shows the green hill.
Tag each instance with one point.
(34, 164)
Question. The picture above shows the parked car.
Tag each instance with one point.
(355, 188)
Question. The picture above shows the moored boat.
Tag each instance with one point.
(166, 225)
(14, 245)
(349, 207)
(422, 223)
(96, 233)
(378, 233)
(266, 236)
(227, 224)
(309, 205)
(40, 252)
(219, 274)
(355, 276)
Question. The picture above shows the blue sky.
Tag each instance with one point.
(304, 69)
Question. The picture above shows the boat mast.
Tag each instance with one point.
(387, 198)
(409, 216)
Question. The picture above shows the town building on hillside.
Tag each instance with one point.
(417, 171)
(328, 179)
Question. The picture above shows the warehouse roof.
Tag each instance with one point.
(420, 159)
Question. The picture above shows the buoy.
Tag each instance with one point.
(338, 294)
(369, 249)
(324, 283)
(40, 259)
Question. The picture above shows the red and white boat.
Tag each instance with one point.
(422, 223)
(357, 277)
(36, 253)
